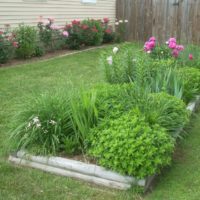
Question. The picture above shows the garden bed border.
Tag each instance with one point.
(83, 171)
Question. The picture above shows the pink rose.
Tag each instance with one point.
(175, 53)
(180, 47)
(65, 34)
(152, 39)
(172, 45)
(172, 40)
(191, 56)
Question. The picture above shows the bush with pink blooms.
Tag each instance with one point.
(8, 45)
(50, 34)
(92, 32)
(109, 34)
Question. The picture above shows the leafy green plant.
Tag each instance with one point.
(92, 32)
(191, 82)
(7, 45)
(26, 37)
(44, 124)
(130, 146)
(119, 66)
(166, 110)
(161, 52)
(84, 115)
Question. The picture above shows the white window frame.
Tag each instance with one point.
(89, 1)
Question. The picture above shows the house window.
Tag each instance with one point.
(88, 1)
(35, 1)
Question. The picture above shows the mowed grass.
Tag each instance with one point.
(179, 182)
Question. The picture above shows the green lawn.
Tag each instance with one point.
(179, 182)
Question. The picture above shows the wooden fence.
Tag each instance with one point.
(161, 18)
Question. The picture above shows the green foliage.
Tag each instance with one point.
(166, 110)
(161, 52)
(74, 41)
(114, 100)
(84, 114)
(44, 124)
(130, 146)
(6, 46)
(120, 68)
(39, 51)
(191, 82)
(26, 37)
(184, 57)
(93, 34)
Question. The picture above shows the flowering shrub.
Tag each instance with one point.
(26, 36)
(121, 26)
(109, 35)
(7, 45)
(50, 34)
(163, 52)
(92, 32)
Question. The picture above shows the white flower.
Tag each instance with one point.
(167, 42)
(52, 122)
(110, 60)
(45, 131)
(36, 120)
(115, 50)
(120, 21)
(116, 23)
(148, 51)
(126, 20)
(161, 52)
(38, 125)
(134, 60)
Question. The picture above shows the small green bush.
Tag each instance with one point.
(43, 124)
(166, 110)
(92, 32)
(161, 52)
(114, 100)
(191, 82)
(130, 146)
(7, 48)
(26, 37)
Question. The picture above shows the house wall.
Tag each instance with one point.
(14, 12)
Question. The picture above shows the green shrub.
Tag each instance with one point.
(7, 45)
(128, 145)
(92, 32)
(166, 110)
(39, 51)
(191, 82)
(26, 37)
(44, 124)
(114, 100)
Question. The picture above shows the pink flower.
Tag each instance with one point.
(106, 20)
(175, 53)
(191, 56)
(180, 47)
(172, 45)
(85, 27)
(51, 19)
(1, 32)
(76, 22)
(172, 40)
(94, 29)
(54, 27)
(152, 39)
(65, 34)
(15, 44)
(108, 31)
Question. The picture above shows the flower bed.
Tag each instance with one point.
(129, 125)
(26, 41)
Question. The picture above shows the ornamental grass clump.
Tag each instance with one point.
(128, 145)
(43, 124)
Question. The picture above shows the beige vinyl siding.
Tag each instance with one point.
(14, 12)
